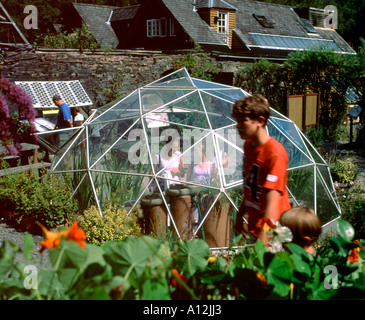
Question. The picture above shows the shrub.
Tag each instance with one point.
(353, 207)
(114, 225)
(46, 198)
(345, 171)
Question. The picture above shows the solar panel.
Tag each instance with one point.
(284, 42)
(42, 92)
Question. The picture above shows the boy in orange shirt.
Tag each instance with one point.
(265, 166)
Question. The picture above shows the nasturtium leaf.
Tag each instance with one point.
(194, 254)
(345, 230)
(279, 274)
(131, 256)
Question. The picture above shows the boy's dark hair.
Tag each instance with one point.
(304, 224)
(56, 98)
(252, 107)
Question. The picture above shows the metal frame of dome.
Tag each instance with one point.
(180, 102)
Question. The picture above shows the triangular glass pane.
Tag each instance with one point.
(155, 98)
(125, 108)
(202, 165)
(326, 207)
(73, 155)
(230, 161)
(218, 111)
(179, 78)
(204, 84)
(296, 157)
(301, 185)
(278, 115)
(188, 111)
(290, 130)
(231, 95)
(317, 158)
(114, 138)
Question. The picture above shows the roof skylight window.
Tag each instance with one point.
(263, 20)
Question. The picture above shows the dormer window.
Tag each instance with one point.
(263, 21)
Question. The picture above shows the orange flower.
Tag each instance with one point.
(77, 235)
(212, 259)
(354, 256)
(265, 224)
(262, 279)
(53, 239)
(173, 280)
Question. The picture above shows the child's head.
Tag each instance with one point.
(304, 225)
(252, 107)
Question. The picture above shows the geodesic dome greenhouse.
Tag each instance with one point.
(178, 134)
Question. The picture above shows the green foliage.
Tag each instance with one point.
(113, 225)
(266, 78)
(145, 268)
(303, 72)
(81, 38)
(315, 136)
(352, 203)
(345, 170)
(197, 63)
(29, 197)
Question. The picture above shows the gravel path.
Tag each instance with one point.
(40, 260)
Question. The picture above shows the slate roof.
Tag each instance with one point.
(95, 17)
(221, 4)
(125, 13)
(192, 23)
(286, 23)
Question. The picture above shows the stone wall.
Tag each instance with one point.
(92, 69)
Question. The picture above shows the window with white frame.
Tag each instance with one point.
(157, 27)
(222, 25)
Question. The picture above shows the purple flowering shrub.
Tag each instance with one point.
(9, 129)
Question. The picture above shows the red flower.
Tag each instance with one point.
(174, 283)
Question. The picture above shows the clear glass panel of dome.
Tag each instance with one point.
(204, 84)
(126, 107)
(203, 202)
(235, 194)
(218, 111)
(325, 174)
(327, 209)
(315, 154)
(229, 160)
(73, 154)
(151, 99)
(119, 188)
(180, 78)
(290, 130)
(83, 190)
(231, 95)
(202, 165)
(125, 153)
(276, 114)
(297, 157)
(103, 135)
(301, 185)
